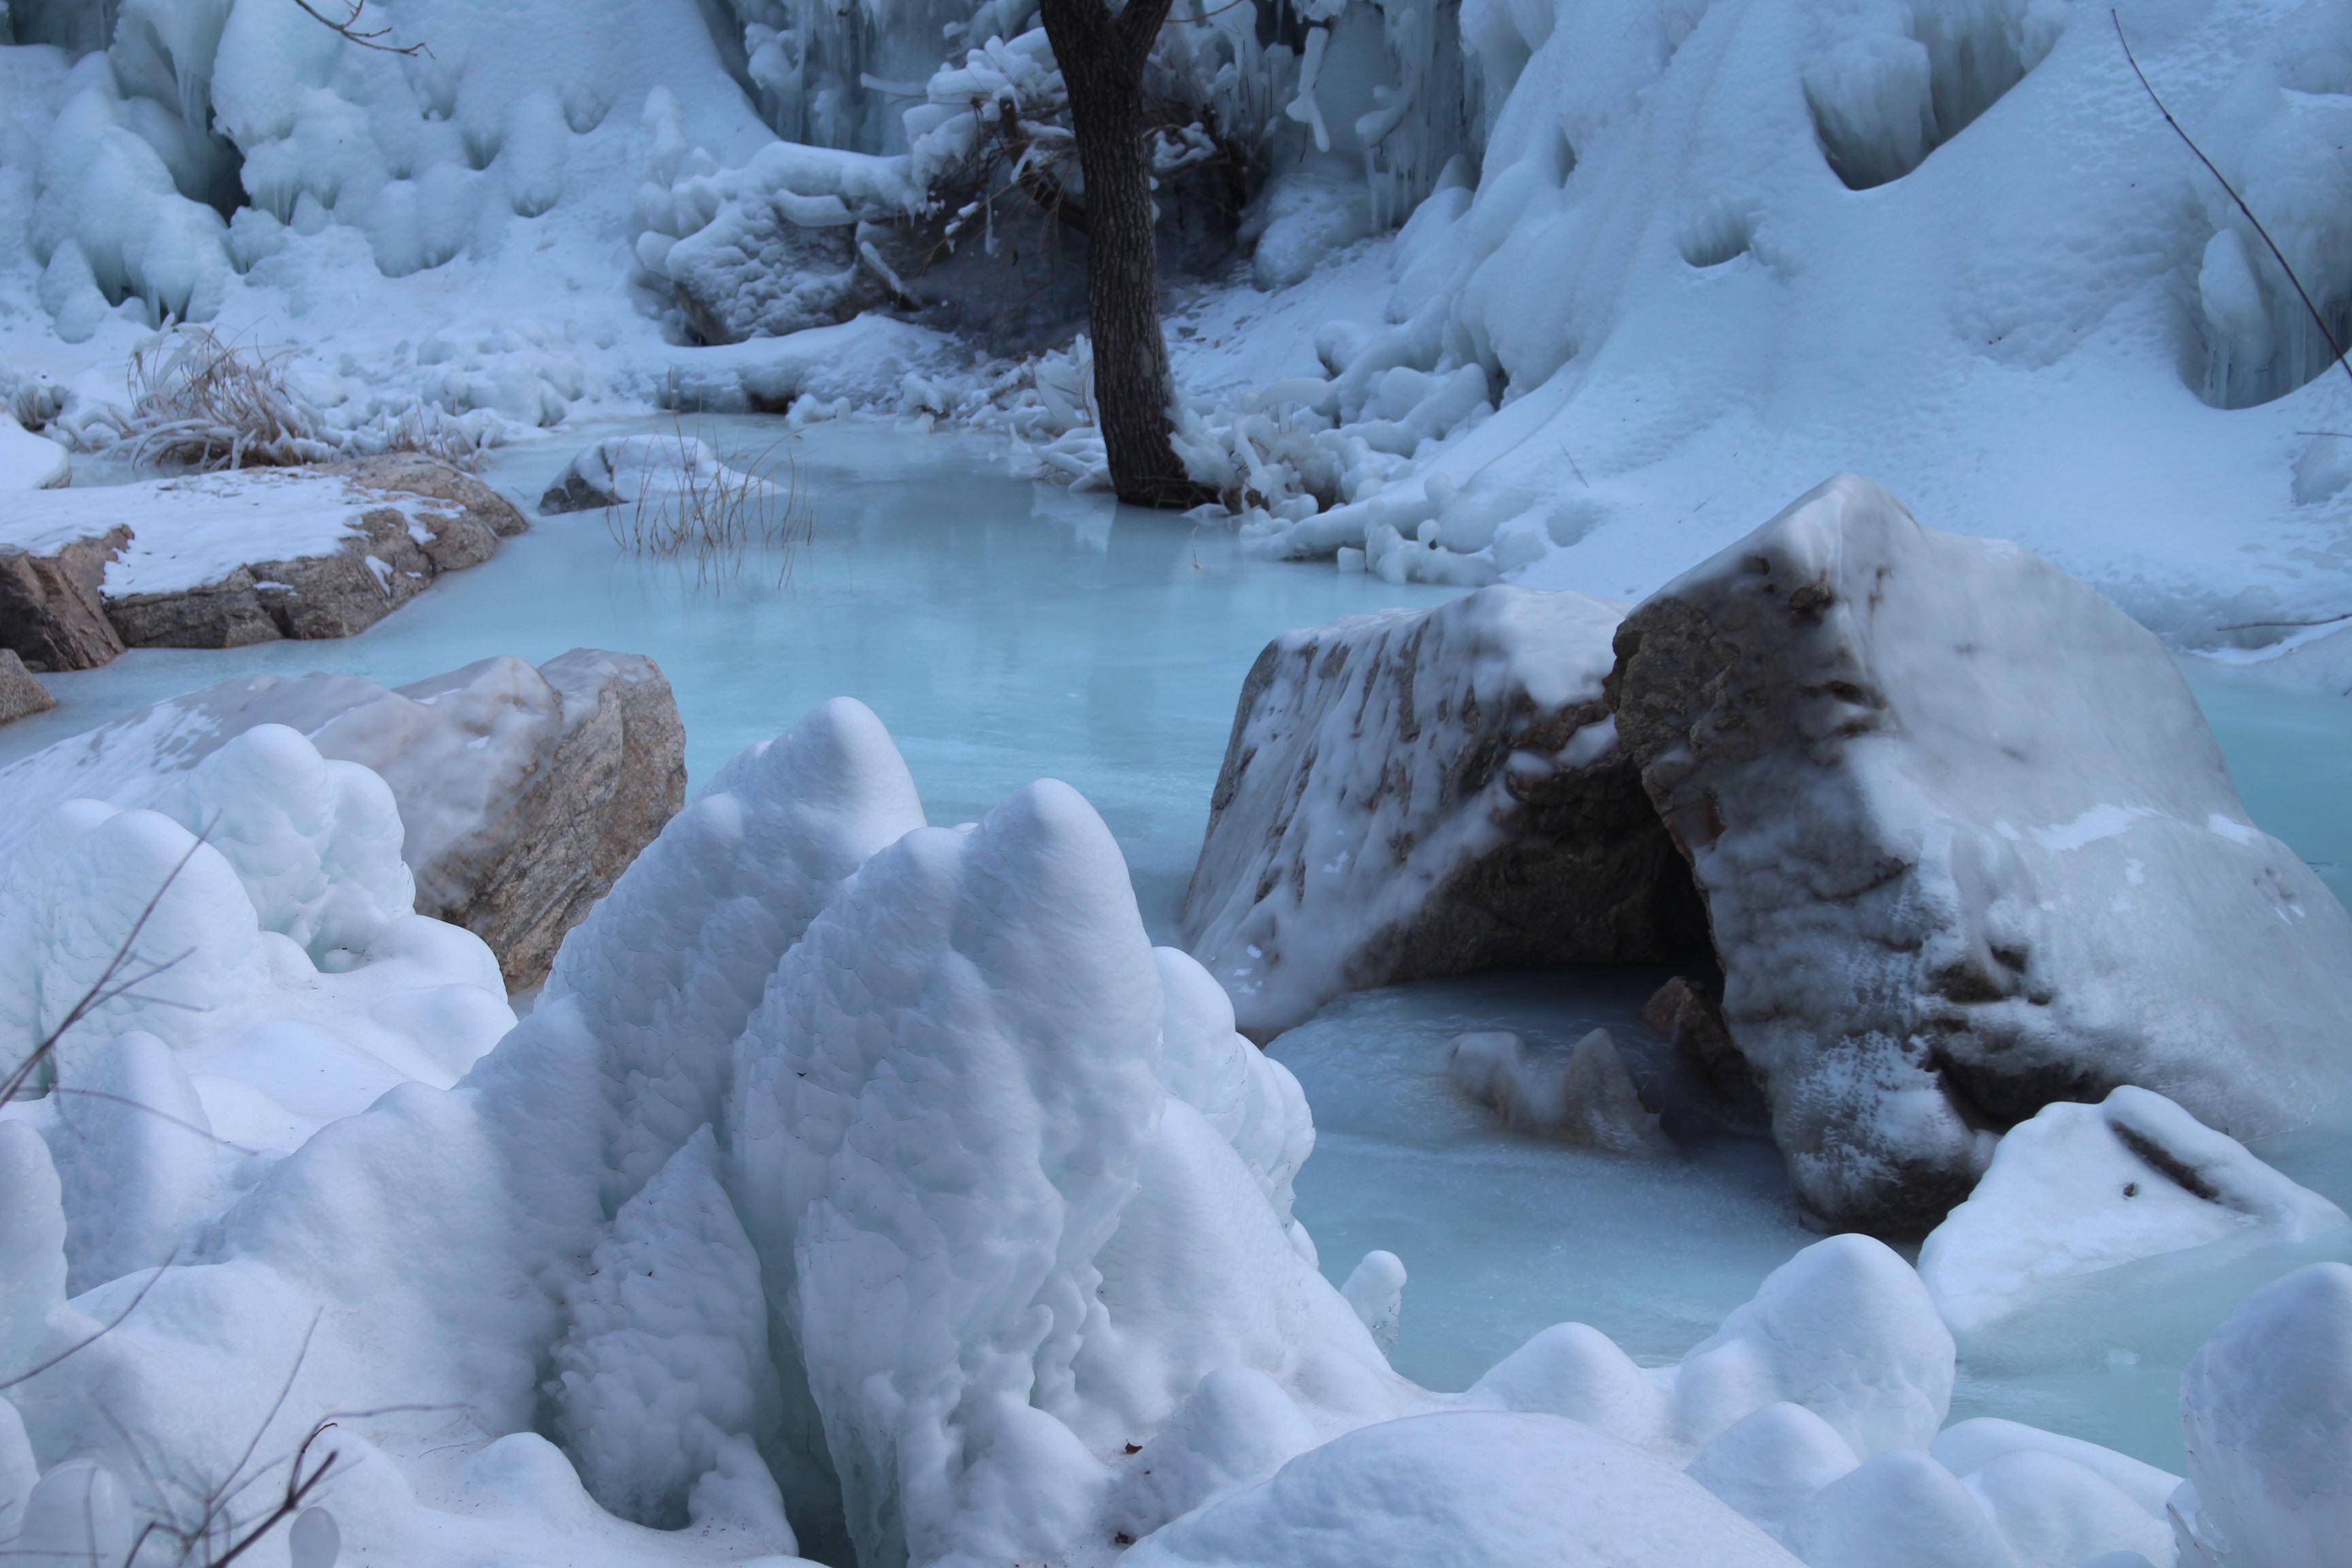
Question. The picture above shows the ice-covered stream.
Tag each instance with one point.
(1004, 630)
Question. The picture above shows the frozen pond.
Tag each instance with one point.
(1005, 630)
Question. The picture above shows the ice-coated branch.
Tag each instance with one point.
(2326, 333)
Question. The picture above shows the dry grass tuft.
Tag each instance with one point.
(721, 522)
(198, 401)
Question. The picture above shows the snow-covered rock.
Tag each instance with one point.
(653, 470)
(52, 613)
(522, 793)
(21, 694)
(1470, 1487)
(30, 462)
(224, 560)
(1429, 792)
(2267, 1411)
(2077, 1188)
(1582, 1096)
(1967, 847)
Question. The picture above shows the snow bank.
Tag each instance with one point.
(30, 462)
(1685, 305)
(2267, 1406)
(1967, 847)
(2077, 1188)
(1424, 793)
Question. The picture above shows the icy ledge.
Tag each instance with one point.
(865, 1187)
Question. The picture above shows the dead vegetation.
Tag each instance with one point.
(200, 402)
(718, 517)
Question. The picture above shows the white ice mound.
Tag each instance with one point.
(1967, 848)
(1468, 1488)
(259, 925)
(959, 1155)
(664, 1374)
(2079, 1188)
(1429, 792)
(2267, 1409)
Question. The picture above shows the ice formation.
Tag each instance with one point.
(2263, 1404)
(2077, 1188)
(879, 1187)
(1584, 1096)
(1948, 888)
(30, 462)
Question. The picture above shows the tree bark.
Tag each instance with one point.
(1102, 57)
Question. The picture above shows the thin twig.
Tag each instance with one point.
(2318, 320)
(365, 38)
(2266, 625)
(103, 1330)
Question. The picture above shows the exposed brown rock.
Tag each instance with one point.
(51, 614)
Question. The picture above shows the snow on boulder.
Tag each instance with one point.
(53, 560)
(1421, 793)
(1468, 1487)
(2266, 1406)
(227, 558)
(522, 792)
(649, 471)
(21, 695)
(1966, 848)
(2078, 1188)
(30, 462)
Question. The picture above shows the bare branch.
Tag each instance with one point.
(105, 1329)
(2326, 332)
(365, 38)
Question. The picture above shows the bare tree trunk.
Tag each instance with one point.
(1102, 57)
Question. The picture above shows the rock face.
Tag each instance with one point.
(1966, 848)
(522, 793)
(1428, 793)
(414, 518)
(51, 614)
(605, 769)
(2079, 1188)
(20, 695)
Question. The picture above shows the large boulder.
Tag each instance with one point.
(1966, 848)
(1423, 793)
(225, 559)
(21, 695)
(52, 614)
(522, 793)
(328, 552)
